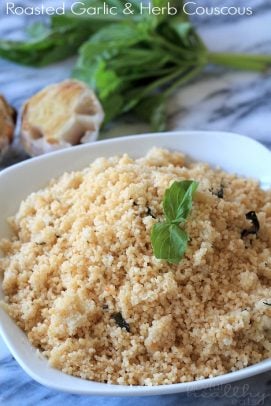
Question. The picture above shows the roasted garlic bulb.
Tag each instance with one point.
(61, 115)
(7, 124)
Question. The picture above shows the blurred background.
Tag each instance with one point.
(217, 99)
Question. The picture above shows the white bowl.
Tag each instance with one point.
(234, 153)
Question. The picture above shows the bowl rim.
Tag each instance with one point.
(117, 140)
(124, 390)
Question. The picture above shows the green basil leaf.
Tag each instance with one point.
(158, 115)
(116, 36)
(153, 109)
(107, 81)
(54, 45)
(37, 30)
(169, 242)
(178, 199)
(112, 105)
(178, 4)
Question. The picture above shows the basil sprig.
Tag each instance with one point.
(169, 241)
(133, 62)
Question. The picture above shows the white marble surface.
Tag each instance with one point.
(232, 101)
(226, 100)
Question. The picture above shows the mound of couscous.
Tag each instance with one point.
(80, 277)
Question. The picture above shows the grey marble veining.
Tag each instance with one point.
(218, 100)
(230, 100)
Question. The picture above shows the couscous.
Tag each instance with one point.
(80, 277)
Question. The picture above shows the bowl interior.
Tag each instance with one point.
(233, 153)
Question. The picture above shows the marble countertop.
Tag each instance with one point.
(226, 100)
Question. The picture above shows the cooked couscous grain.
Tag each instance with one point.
(81, 280)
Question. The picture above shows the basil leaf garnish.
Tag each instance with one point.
(177, 202)
(169, 241)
